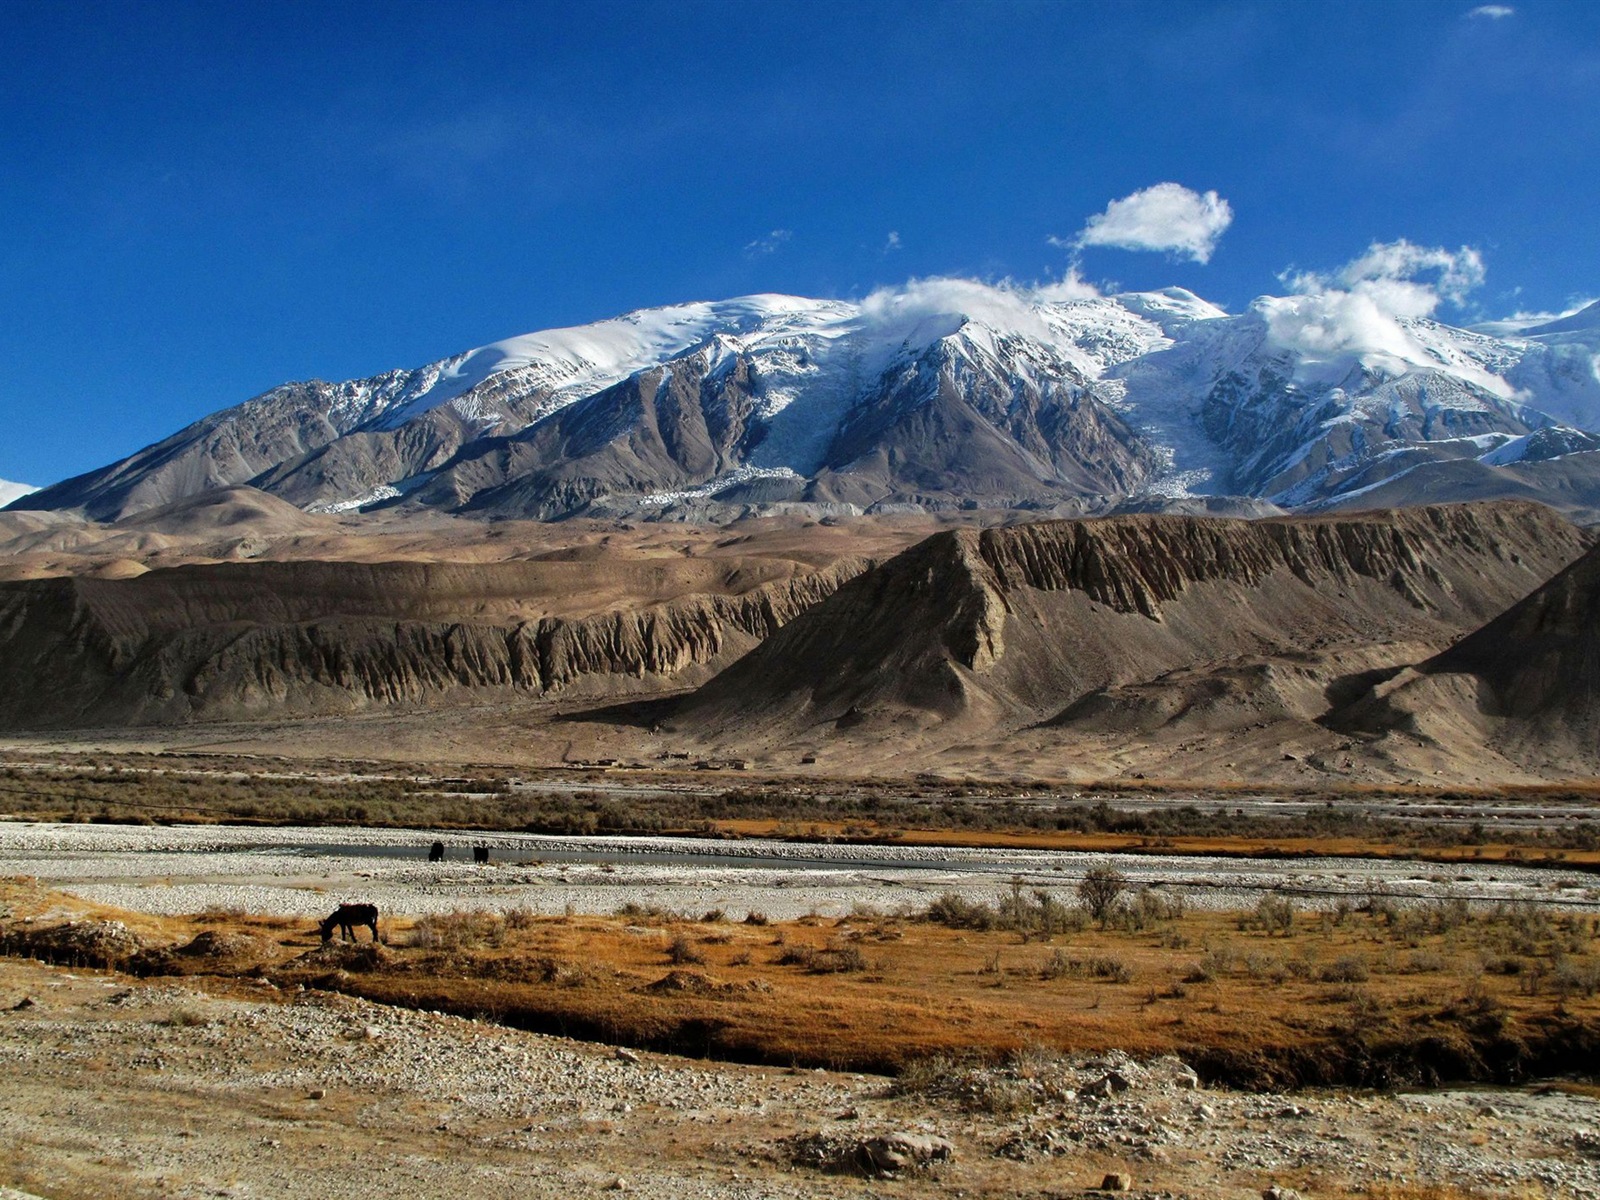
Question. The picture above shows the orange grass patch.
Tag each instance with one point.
(1370, 998)
(1131, 843)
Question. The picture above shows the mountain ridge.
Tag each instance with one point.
(942, 395)
(1127, 626)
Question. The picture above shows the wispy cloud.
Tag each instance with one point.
(1388, 272)
(1363, 307)
(1491, 12)
(1071, 286)
(768, 243)
(1166, 217)
(892, 242)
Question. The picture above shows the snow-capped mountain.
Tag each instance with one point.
(13, 491)
(943, 393)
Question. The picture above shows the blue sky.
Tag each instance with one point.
(200, 201)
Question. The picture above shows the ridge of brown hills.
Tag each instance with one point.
(1452, 643)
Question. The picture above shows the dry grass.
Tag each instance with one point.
(1375, 996)
(1446, 1191)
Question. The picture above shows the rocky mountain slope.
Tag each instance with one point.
(942, 395)
(1128, 627)
(268, 640)
(1527, 682)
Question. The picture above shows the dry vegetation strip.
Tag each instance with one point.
(1275, 996)
(161, 788)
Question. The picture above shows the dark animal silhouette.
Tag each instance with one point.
(346, 917)
(480, 854)
(436, 852)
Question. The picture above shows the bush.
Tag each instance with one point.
(1272, 914)
(1348, 968)
(1570, 977)
(475, 930)
(1100, 890)
(957, 912)
(681, 953)
(830, 961)
(1062, 966)
(1425, 962)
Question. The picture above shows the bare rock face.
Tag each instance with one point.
(1129, 621)
(232, 641)
(1528, 680)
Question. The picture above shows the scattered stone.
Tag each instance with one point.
(885, 1156)
(619, 1184)
(1110, 1084)
(1116, 1182)
(897, 1152)
(1280, 1193)
(25, 1003)
(317, 1094)
(623, 1054)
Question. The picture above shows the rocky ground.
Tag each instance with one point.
(118, 1087)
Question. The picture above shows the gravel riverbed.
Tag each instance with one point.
(298, 871)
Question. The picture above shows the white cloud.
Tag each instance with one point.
(927, 309)
(1491, 12)
(1167, 216)
(1070, 286)
(892, 243)
(768, 244)
(1460, 271)
(1360, 310)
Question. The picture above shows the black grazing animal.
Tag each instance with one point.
(346, 917)
(480, 854)
(436, 852)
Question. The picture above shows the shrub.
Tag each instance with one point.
(957, 912)
(681, 953)
(1570, 977)
(1062, 966)
(1348, 968)
(1272, 914)
(475, 930)
(1100, 890)
(829, 961)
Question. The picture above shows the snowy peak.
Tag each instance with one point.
(1583, 320)
(939, 393)
(568, 364)
(13, 491)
